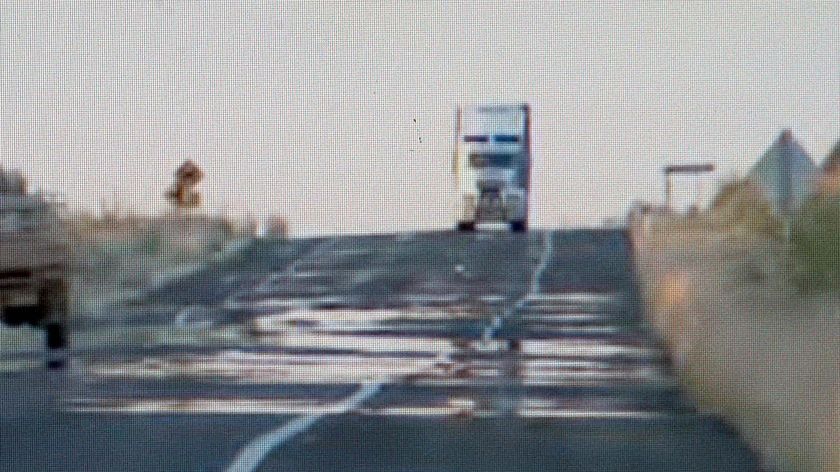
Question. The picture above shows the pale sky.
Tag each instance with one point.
(309, 110)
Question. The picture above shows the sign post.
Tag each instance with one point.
(691, 169)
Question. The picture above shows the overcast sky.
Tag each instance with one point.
(342, 116)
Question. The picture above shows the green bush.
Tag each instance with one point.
(815, 245)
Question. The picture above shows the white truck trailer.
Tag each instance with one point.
(492, 166)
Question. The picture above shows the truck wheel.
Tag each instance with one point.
(14, 316)
(18, 315)
(466, 226)
(53, 305)
(56, 338)
(518, 226)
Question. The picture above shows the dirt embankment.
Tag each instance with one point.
(747, 343)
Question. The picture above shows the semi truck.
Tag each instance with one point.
(492, 165)
(34, 261)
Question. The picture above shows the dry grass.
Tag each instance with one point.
(747, 341)
(740, 205)
(114, 255)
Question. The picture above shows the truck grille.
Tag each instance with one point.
(490, 185)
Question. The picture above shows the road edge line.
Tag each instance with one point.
(254, 453)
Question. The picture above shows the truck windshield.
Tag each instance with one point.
(491, 159)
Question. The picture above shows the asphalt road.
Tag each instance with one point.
(415, 352)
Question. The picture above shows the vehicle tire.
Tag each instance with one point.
(18, 315)
(56, 337)
(53, 307)
(466, 226)
(13, 316)
(519, 226)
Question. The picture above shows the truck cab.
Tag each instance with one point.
(492, 165)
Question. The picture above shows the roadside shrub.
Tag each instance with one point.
(815, 245)
(740, 204)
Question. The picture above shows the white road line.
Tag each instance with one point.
(255, 452)
(548, 248)
(314, 253)
(231, 303)
(533, 289)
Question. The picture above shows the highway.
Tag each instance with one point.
(438, 351)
